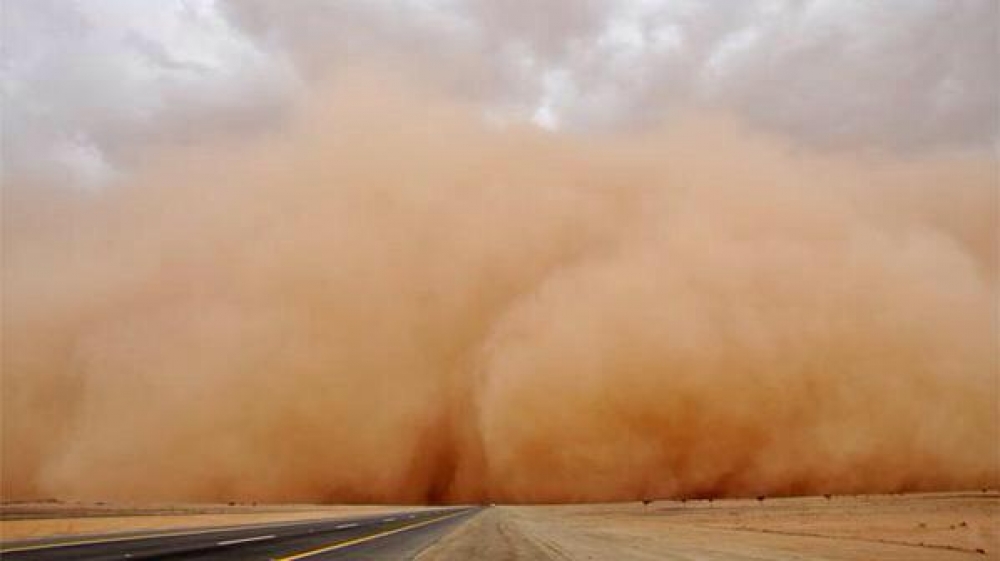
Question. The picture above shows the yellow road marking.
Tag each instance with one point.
(362, 539)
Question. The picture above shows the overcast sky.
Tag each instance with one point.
(89, 86)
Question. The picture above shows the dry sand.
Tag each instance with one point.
(915, 527)
(20, 521)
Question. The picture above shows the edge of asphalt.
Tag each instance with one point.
(454, 528)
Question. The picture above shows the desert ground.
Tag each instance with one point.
(930, 526)
(936, 526)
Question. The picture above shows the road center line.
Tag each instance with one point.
(348, 543)
(343, 526)
(244, 540)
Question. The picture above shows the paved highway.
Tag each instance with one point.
(383, 537)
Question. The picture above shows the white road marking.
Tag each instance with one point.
(343, 526)
(244, 540)
(389, 520)
(139, 537)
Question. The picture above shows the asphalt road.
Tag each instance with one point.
(383, 537)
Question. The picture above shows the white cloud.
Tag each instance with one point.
(728, 52)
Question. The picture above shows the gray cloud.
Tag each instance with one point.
(88, 86)
(891, 73)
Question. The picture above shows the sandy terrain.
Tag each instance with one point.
(19, 521)
(887, 527)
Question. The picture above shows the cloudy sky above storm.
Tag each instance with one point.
(89, 85)
(444, 251)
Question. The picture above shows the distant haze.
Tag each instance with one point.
(357, 283)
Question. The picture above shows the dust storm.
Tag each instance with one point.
(391, 299)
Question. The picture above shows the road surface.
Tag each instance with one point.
(383, 537)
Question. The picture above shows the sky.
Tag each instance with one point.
(88, 86)
(442, 251)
